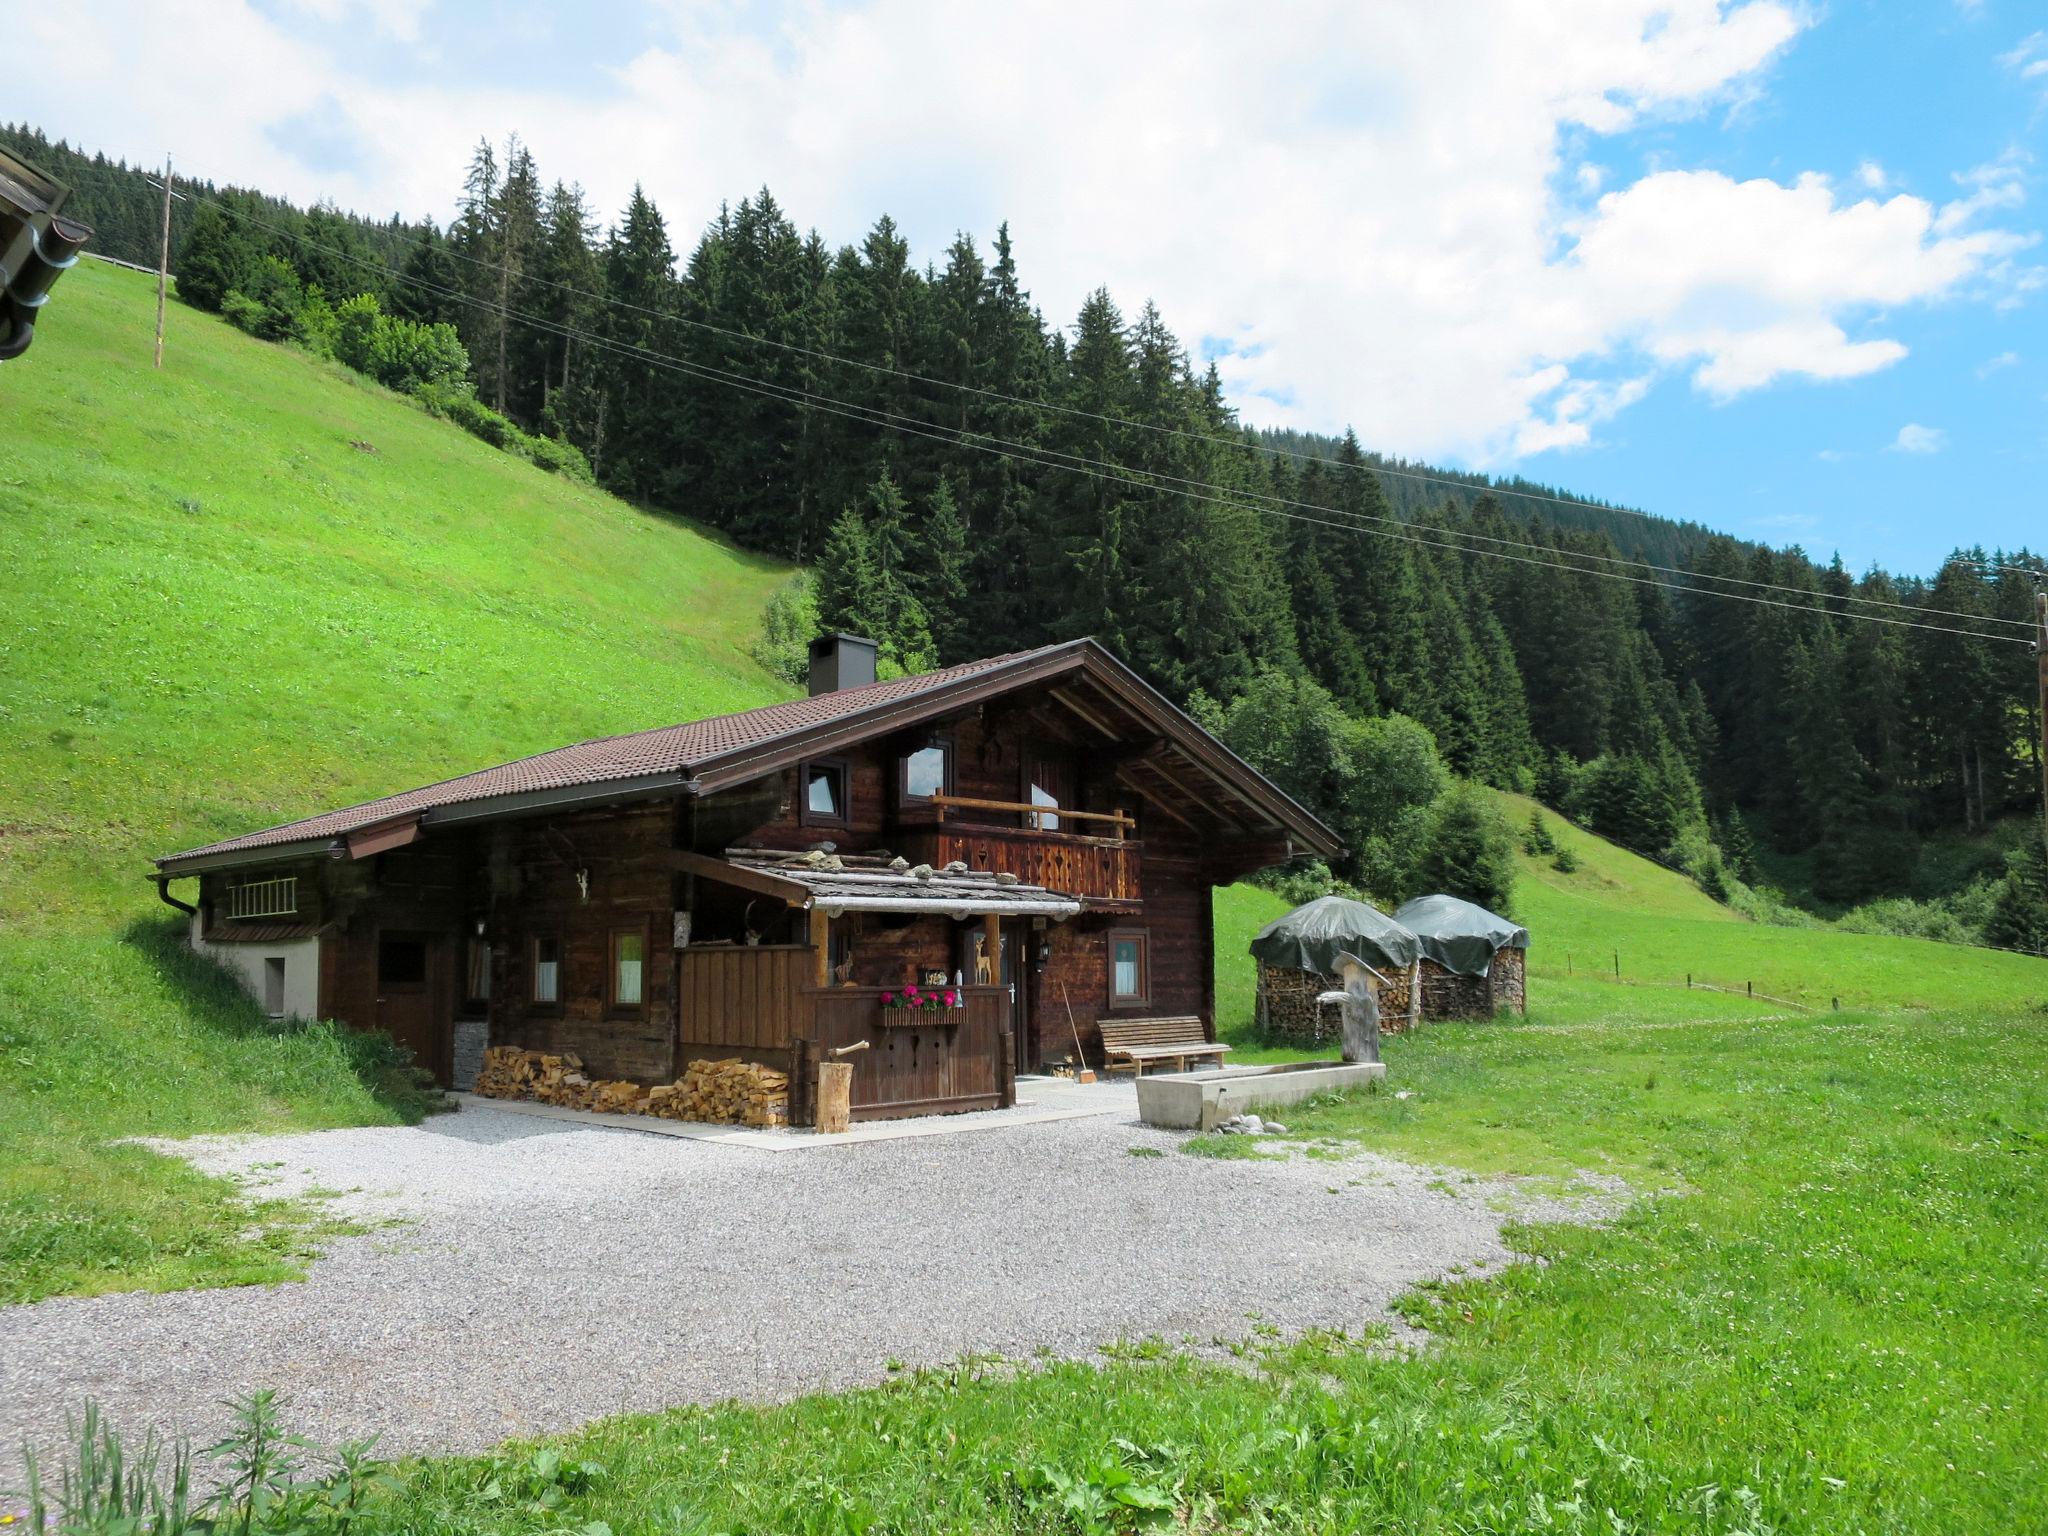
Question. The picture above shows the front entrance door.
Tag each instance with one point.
(1016, 975)
(409, 969)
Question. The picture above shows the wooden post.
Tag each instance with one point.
(1415, 994)
(163, 265)
(992, 946)
(2041, 666)
(835, 1096)
(821, 946)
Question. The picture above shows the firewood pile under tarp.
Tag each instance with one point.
(1472, 959)
(727, 1092)
(1297, 957)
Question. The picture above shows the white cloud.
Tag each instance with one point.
(2030, 59)
(1914, 438)
(1873, 176)
(1388, 223)
(1992, 365)
(1833, 456)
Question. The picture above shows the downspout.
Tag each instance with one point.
(163, 891)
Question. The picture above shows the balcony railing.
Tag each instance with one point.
(1098, 869)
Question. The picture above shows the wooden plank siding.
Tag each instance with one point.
(914, 1063)
(747, 997)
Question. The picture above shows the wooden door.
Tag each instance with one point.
(410, 1007)
(1017, 976)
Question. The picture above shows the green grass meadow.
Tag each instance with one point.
(247, 588)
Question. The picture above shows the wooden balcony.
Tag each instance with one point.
(1102, 871)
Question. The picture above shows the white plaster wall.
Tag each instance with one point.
(301, 969)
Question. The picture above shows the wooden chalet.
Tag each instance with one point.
(1043, 829)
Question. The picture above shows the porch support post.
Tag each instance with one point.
(992, 946)
(821, 947)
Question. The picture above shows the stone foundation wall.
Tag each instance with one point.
(472, 1037)
(1288, 1006)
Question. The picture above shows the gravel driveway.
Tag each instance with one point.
(548, 1274)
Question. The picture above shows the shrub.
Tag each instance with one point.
(1537, 839)
(1566, 862)
(1469, 851)
(2019, 912)
(787, 625)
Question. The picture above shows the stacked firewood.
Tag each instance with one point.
(546, 1078)
(731, 1091)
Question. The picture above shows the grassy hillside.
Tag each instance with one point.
(254, 585)
(1664, 927)
(245, 588)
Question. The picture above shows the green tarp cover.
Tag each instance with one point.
(1310, 938)
(1459, 936)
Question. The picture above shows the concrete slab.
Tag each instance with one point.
(1040, 1101)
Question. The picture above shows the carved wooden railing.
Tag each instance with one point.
(1102, 868)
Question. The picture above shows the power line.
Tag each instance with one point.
(1054, 406)
(1563, 556)
(1052, 458)
(1239, 444)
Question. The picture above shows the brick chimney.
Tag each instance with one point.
(840, 660)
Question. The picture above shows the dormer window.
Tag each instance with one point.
(928, 771)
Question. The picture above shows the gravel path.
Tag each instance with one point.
(548, 1274)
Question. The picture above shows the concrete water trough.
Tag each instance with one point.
(1201, 1101)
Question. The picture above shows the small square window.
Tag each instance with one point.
(629, 963)
(1129, 971)
(823, 786)
(547, 970)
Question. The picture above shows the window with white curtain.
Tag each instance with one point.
(629, 961)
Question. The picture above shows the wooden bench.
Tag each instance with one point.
(1134, 1042)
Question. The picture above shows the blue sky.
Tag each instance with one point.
(1768, 264)
(1919, 91)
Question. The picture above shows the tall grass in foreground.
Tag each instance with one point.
(266, 1483)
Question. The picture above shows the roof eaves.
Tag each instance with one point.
(741, 764)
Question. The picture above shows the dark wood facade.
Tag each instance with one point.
(560, 930)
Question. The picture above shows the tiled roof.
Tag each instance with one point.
(668, 749)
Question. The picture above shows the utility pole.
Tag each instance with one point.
(2041, 666)
(163, 265)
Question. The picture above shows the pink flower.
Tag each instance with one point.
(952, 999)
(888, 999)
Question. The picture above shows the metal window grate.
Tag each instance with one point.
(265, 898)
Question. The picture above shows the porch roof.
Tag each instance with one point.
(869, 883)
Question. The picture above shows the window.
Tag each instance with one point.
(264, 898)
(629, 964)
(547, 970)
(823, 784)
(401, 961)
(273, 985)
(1130, 979)
(928, 771)
(477, 986)
(1040, 795)
(1048, 781)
